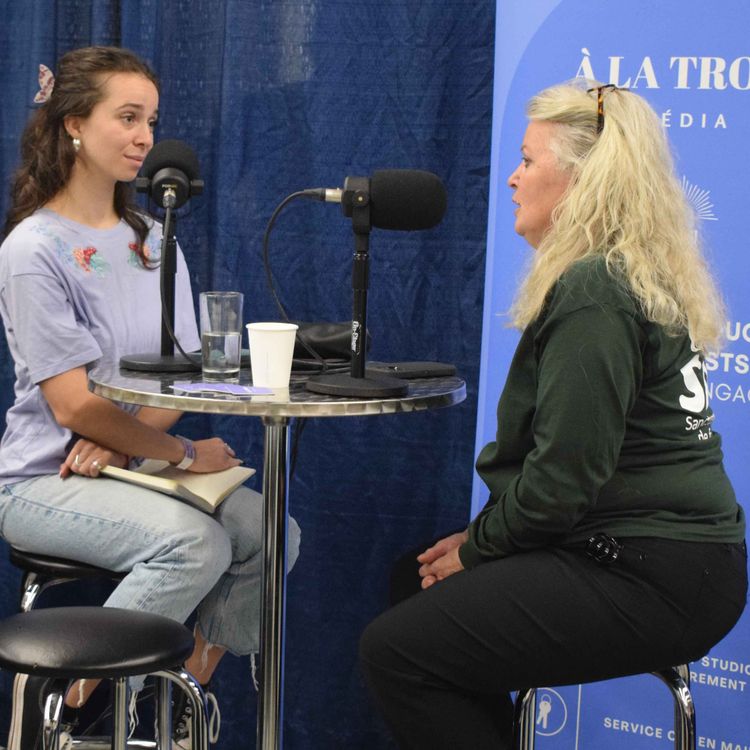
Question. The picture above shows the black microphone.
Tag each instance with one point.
(170, 177)
(401, 199)
(171, 174)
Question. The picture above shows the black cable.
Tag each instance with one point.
(269, 276)
(167, 325)
(297, 429)
(266, 261)
(299, 423)
(164, 314)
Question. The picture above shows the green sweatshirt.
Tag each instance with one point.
(603, 426)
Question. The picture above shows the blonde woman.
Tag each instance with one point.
(612, 542)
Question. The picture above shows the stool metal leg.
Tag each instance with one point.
(677, 679)
(53, 707)
(684, 709)
(194, 692)
(684, 671)
(32, 586)
(524, 719)
(120, 714)
(30, 590)
(163, 713)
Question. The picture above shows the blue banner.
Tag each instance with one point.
(691, 60)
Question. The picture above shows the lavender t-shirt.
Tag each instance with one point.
(73, 296)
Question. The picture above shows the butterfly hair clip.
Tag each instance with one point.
(46, 84)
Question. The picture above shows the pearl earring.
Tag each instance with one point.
(77, 144)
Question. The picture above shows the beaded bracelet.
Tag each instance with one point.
(189, 457)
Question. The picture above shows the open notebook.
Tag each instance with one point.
(204, 491)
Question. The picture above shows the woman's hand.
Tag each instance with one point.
(441, 560)
(213, 455)
(87, 457)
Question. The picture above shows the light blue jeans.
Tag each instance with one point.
(179, 558)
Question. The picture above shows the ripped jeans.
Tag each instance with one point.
(179, 558)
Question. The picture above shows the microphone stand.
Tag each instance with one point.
(168, 272)
(356, 204)
(166, 361)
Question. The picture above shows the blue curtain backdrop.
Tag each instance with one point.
(275, 96)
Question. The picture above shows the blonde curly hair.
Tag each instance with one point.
(623, 202)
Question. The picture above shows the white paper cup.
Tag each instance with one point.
(271, 350)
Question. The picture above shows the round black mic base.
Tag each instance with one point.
(159, 363)
(410, 370)
(343, 384)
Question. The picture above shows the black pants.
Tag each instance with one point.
(441, 663)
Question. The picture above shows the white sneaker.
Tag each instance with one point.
(182, 721)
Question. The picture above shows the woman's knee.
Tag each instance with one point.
(370, 646)
(378, 644)
(207, 548)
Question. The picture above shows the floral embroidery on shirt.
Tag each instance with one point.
(83, 258)
(86, 259)
(134, 259)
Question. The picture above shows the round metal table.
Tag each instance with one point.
(152, 389)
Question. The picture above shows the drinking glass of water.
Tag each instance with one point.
(221, 335)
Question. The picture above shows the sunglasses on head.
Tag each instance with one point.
(600, 103)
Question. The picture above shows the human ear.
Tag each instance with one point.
(72, 126)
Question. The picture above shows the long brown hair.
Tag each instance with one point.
(47, 153)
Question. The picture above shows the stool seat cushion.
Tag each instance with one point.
(59, 566)
(92, 642)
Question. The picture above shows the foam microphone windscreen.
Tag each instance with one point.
(406, 199)
(171, 154)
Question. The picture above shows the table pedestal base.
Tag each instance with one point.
(273, 583)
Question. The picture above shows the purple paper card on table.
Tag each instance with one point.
(232, 389)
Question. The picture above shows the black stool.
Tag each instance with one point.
(42, 571)
(677, 679)
(68, 643)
